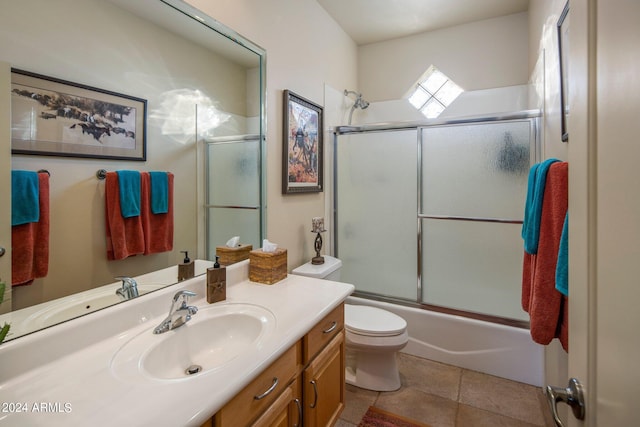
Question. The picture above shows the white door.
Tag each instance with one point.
(5, 184)
(604, 209)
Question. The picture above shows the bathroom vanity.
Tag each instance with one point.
(268, 355)
(305, 386)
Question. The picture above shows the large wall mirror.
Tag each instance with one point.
(205, 90)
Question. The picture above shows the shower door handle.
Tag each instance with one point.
(572, 396)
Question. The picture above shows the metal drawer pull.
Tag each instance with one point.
(572, 396)
(266, 393)
(332, 328)
(299, 405)
(315, 392)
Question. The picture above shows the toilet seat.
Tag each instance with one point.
(372, 321)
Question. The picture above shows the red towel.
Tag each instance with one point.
(547, 308)
(125, 236)
(30, 242)
(158, 228)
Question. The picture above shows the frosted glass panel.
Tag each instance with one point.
(377, 205)
(476, 170)
(226, 223)
(473, 266)
(237, 166)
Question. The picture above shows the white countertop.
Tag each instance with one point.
(62, 375)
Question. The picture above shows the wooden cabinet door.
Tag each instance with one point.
(324, 385)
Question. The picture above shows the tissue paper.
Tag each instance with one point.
(268, 246)
(233, 242)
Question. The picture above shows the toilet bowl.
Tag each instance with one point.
(373, 336)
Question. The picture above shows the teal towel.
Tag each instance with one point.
(562, 266)
(533, 205)
(129, 186)
(25, 197)
(159, 192)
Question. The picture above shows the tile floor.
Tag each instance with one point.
(447, 396)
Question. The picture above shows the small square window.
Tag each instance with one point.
(419, 97)
(434, 81)
(448, 92)
(434, 93)
(432, 108)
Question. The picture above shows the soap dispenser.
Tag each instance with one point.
(216, 283)
(186, 269)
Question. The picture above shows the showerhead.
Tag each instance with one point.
(359, 102)
(362, 103)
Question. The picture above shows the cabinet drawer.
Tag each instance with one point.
(247, 405)
(322, 333)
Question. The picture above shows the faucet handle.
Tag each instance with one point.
(184, 294)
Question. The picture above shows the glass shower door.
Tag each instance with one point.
(473, 187)
(376, 204)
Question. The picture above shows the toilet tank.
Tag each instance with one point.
(330, 270)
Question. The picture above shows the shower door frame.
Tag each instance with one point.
(531, 116)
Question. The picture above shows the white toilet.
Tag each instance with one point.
(373, 336)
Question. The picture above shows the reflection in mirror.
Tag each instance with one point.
(204, 87)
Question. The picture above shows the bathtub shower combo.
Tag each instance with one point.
(427, 223)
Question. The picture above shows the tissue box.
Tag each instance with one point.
(230, 256)
(267, 267)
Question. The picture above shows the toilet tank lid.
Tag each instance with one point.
(318, 271)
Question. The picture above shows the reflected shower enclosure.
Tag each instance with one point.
(431, 214)
(234, 205)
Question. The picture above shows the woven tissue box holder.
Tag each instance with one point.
(230, 256)
(267, 267)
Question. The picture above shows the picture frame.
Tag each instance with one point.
(302, 154)
(54, 117)
(563, 51)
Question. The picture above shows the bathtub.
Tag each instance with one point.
(494, 349)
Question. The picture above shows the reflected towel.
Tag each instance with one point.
(129, 187)
(539, 295)
(533, 205)
(159, 192)
(30, 241)
(562, 277)
(25, 201)
(158, 228)
(125, 236)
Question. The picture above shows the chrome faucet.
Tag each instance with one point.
(179, 316)
(129, 289)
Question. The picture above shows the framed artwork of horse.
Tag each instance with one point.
(54, 117)
(302, 165)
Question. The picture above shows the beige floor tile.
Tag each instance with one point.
(468, 416)
(415, 404)
(343, 423)
(357, 401)
(430, 377)
(501, 396)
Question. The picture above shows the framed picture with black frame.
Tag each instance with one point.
(54, 117)
(302, 153)
(563, 52)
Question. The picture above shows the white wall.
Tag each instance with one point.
(481, 55)
(306, 49)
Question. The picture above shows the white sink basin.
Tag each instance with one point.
(215, 336)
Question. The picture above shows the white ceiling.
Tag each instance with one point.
(370, 21)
